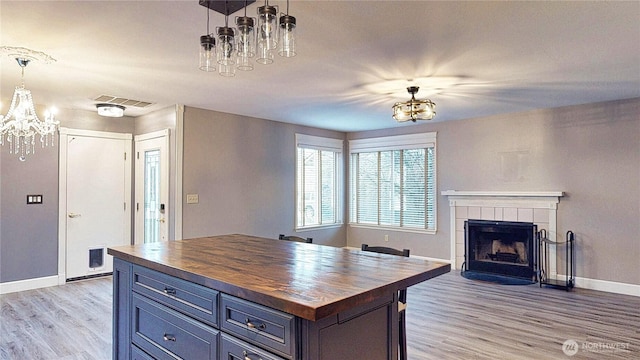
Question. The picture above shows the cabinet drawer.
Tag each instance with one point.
(258, 324)
(234, 349)
(137, 354)
(166, 334)
(192, 299)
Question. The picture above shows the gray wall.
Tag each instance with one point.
(591, 152)
(29, 233)
(243, 170)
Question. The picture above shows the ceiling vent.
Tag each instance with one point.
(108, 99)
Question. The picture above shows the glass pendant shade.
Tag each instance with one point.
(265, 55)
(225, 47)
(414, 109)
(227, 70)
(287, 36)
(246, 45)
(208, 60)
(267, 36)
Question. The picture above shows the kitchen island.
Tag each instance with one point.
(244, 297)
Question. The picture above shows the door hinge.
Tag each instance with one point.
(125, 206)
(137, 206)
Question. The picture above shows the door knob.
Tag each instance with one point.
(74, 215)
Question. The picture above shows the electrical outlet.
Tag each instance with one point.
(192, 198)
(386, 238)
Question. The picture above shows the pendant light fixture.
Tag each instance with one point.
(286, 35)
(246, 38)
(267, 36)
(21, 124)
(207, 50)
(414, 109)
(252, 39)
(226, 48)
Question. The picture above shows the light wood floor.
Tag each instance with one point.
(61, 322)
(449, 317)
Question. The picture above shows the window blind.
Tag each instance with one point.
(392, 186)
(318, 174)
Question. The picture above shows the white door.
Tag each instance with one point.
(152, 187)
(97, 193)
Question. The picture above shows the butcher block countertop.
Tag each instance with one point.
(310, 281)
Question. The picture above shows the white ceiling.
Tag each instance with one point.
(355, 58)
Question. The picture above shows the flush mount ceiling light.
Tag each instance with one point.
(110, 110)
(21, 123)
(414, 109)
(238, 48)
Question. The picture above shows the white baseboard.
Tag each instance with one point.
(29, 284)
(447, 261)
(603, 285)
(608, 286)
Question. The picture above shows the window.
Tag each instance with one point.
(393, 182)
(318, 179)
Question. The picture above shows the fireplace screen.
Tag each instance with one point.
(500, 247)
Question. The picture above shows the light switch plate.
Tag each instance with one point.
(34, 199)
(192, 198)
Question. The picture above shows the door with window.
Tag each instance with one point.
(152, 187)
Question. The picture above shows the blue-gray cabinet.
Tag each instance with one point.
(244, 297)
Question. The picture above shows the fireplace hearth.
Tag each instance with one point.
(505, 248)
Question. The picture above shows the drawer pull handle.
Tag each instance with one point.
(249, 356)
(169, 291)
(251, 325)
(169, 337)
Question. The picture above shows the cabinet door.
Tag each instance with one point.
(121, 307)
(366, 332)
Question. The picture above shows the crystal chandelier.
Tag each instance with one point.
(414, 109)
(20, 125)
(238, 48)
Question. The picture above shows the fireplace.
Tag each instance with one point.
(501, 247)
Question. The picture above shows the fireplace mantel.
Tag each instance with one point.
(539, 207)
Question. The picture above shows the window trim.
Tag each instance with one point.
(322, 144)
(389, 143)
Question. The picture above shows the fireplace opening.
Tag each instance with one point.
(500, 247)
